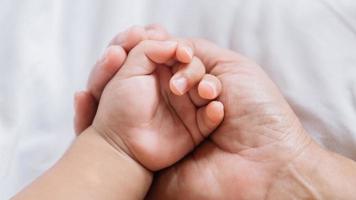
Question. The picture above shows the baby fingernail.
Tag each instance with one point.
(180, 84)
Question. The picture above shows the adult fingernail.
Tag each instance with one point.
(180, 84)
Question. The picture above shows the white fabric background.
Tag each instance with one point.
(47, 49)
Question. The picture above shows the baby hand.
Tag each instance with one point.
(139, 114)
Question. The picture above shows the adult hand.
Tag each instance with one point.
(260, 151)
(139, 114)
(259, 137)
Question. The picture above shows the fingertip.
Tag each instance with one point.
(178, 85)
(130, 37)
(159, 51)
(184, 53)
(215, 111)
(114, 57)
(137, 33)
(186, 76)
(156, 32)
(207, 90)
(210, 116)
(209, 87)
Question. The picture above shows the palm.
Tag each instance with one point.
(148, 118)
(241, 159)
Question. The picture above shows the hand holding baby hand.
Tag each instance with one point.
(139, 114)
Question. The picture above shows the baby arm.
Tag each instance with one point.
(102, 166)
(91, 169)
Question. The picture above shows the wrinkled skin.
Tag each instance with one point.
(248, 156)
(250, 151)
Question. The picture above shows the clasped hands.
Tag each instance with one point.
(206, 120)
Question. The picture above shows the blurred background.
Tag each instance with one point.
(48, 47)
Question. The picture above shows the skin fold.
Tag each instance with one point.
(140, 125)
(259, 151)
(149, 122)
(259, 137)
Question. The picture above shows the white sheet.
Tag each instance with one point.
(48, 47)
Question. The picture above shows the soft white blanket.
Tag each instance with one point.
(47, 49)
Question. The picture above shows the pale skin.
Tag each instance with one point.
(129, 140)
(260, 151)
